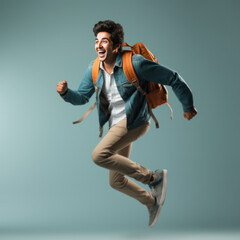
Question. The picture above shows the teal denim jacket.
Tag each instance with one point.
(135, 103)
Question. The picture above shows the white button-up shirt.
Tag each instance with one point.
(116, 103)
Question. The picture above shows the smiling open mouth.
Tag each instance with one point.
(101, 53)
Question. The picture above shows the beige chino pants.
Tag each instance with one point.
(113, 153)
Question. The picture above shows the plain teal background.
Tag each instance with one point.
(47, 178)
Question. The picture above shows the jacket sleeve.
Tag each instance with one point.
(154, 72)
(84, 92)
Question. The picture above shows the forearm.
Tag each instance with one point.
(84, 92)
(74, 97)
(151, 71)
(182, 91)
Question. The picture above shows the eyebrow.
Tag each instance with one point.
(103, 38)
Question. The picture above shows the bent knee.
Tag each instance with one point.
(96, 157)
(100, 157)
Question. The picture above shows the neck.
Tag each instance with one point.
(108, 65)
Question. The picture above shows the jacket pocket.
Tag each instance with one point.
(125, 84)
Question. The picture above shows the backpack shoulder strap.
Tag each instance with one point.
(95, 70)
(132, 77)
(128, 67)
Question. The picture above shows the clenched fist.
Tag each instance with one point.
(190, 115)
(62, 87)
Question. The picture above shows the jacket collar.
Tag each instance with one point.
(118, 62)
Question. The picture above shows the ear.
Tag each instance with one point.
(117, 48)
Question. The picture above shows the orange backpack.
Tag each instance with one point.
(157, 93)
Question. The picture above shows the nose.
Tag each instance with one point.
(99, 44)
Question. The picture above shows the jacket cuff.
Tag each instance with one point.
(188, 109)
(65, 95)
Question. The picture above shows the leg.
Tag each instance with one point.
(118, 137)
(107, 155)
(121, 183)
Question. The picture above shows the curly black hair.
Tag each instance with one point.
(115, 29)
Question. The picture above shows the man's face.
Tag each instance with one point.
(104, 47)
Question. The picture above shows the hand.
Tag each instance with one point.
(62, 87)
(190, 115)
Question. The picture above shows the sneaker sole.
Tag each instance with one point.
(164, 189)
(163, 196)
(156, 217)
